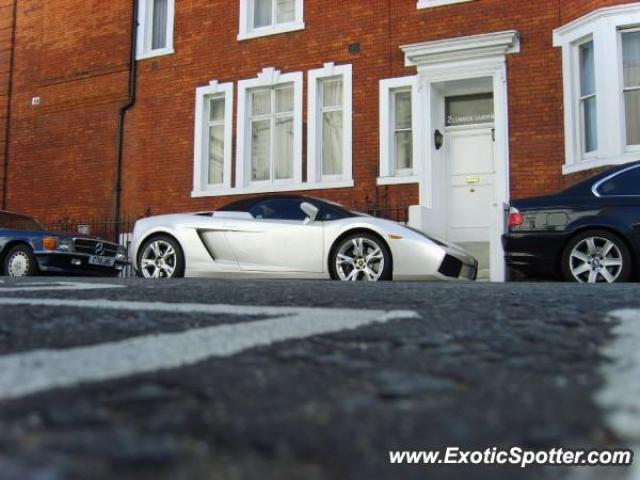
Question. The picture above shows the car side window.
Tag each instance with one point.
(328, 214)
(278, 209)
(624, 184)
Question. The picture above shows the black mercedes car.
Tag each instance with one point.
(588, 233)
(26, 248)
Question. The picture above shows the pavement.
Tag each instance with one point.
(219, 379)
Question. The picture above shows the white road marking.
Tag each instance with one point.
(54, 286)
(620, 396)
(36, 371)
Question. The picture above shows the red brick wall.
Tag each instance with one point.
(73, 54)
(75, 57)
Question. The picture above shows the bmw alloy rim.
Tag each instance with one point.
(158, 260)
(18, 264)
(596, 260)
(360, 259)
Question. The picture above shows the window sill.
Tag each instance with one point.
(437, 3)
(155, 53)
(599, 162)
(275, 30)
(398, 180)
(295, 187)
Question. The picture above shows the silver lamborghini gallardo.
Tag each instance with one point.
(292, 237)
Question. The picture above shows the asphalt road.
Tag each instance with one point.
(309, 380)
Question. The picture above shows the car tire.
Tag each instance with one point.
(161, 257)
(596, 256)
(361, 257)
(20, 262)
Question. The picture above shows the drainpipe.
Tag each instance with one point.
(130, 102)
(7, 129)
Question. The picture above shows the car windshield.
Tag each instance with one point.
(18, 222)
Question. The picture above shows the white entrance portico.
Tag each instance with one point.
(464, 179)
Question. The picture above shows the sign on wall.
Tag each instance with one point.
(469, 110)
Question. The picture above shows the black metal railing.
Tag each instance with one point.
(106, 229)
(398, 213)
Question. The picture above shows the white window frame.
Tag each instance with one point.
(629, 148)
(145, 34)
(437, 3)
(268, 78)
(247, 31)
(314, 126)
(201, 186)
(579, 104)
(389, 175)
(604, 26)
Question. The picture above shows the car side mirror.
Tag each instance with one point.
(311, 211)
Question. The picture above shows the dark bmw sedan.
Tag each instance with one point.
(588, 233)
(27, 249)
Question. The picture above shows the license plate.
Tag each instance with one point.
(102, 261)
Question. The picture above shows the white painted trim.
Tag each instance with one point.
(387, 160)
(600, 162)
(200, 145)
(581, 27)
(442, 62)
(277, 188)
(462, 48)
(603, 26)
(143, 48)
(437, 3)
(400, 180)
(264, 32)
(269, 77)
(314, 146)
(247, 32)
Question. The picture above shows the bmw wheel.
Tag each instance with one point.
(596, 256)
(20, 262)
(161, 257)
(361, 257)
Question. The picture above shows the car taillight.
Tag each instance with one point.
(515, 218)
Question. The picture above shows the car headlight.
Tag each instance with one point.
(121, 253)
(58, 244)
(65, 245)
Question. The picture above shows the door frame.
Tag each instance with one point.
(431, 213)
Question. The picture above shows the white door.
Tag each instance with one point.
(470, 177)
(277, 245)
